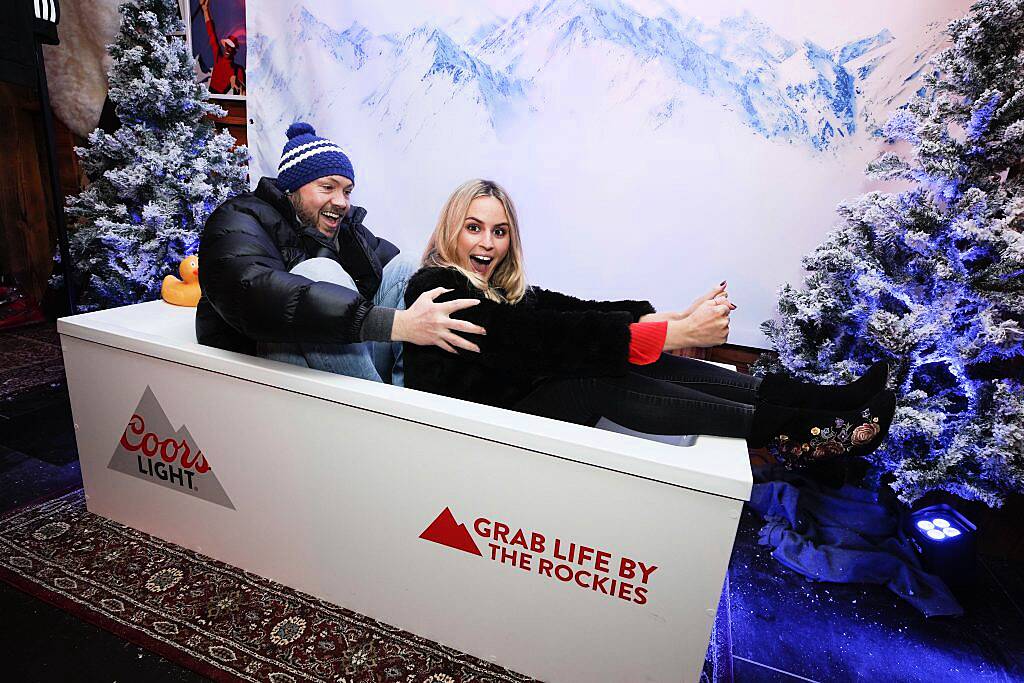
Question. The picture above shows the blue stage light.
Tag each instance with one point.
(945, 541)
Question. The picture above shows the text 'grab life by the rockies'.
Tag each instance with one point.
(572, 563)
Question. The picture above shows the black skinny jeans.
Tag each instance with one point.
(673, 395)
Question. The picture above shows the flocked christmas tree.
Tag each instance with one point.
(158, 177)
(931, 279)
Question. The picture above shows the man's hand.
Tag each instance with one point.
(706, 326)
(429, 324)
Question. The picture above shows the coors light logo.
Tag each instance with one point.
(151, 449)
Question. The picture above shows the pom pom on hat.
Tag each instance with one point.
(307, 157)
(300, 128)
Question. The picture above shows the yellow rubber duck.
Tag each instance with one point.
(184, 292)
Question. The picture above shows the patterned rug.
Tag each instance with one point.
(220, 621)
(30, 358)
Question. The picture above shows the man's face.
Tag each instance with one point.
(323, 203)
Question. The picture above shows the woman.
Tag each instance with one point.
(552, 355)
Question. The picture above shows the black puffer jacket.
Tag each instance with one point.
(545, 335)
(246, 250)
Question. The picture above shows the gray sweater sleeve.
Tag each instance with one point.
(377, 324)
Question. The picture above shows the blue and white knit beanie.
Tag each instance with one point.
(307, 157)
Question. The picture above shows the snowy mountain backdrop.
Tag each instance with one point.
(652, 152)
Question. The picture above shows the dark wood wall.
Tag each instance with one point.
(235, 120)
(26, 207)
(27, 226)
(24, 210)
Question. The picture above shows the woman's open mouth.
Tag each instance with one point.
(481, 264)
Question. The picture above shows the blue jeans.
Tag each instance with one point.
(378, 361)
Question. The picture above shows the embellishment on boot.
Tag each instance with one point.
(864, 433)
(826, 442)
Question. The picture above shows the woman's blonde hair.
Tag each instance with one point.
(508, 282)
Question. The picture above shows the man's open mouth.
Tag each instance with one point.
(332, 219)
(480, 263)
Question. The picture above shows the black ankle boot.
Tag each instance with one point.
(787, 391)
(798, 436)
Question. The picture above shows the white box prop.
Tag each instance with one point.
(559, 551)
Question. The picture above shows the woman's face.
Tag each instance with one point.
(484, 238)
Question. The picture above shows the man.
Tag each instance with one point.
(291, 273)
(226, 77)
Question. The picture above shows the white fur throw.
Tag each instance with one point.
(76, 70)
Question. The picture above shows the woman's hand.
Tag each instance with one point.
(717, 294)
(427, 323)
(660, 317)
(706, 326)
(711, 295)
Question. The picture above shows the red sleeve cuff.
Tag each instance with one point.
(646, 340)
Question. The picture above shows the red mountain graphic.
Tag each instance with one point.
(446, 531)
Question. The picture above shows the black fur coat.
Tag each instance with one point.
(545, 335)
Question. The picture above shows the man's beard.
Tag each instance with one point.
(307, 217)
